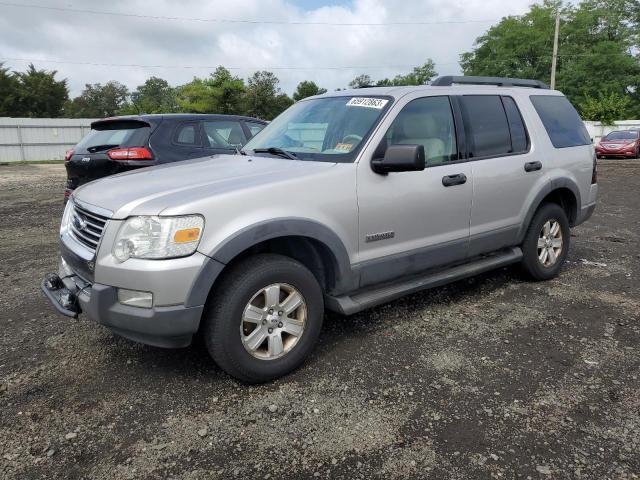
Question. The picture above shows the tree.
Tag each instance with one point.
(605, 108)
(220, 93)
(306, 89)
(596, 42)
(98, 101)
(361, 81)
(263, 98)
(419, 76)
(8, 92)
(39, 94)
(153, 96)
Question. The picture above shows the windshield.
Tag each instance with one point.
(629, 135)
(328, 129)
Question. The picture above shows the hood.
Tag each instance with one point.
(149, 191)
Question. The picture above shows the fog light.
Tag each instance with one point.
(135, 298)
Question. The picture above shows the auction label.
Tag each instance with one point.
(368, 102)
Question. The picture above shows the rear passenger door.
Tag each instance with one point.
(506, 172)
(223, 136)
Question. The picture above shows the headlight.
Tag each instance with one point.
(158, 237)
(66, 217)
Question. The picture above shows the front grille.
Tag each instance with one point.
(87, 227)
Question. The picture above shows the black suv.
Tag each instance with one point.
(119, 144)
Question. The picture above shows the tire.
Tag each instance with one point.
(238, 309)
(535, 263)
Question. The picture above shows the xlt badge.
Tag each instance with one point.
(374, 237)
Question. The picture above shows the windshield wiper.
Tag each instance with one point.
(99, 148)
(277, 151)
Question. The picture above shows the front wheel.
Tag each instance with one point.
(546, 243)
(264, 318)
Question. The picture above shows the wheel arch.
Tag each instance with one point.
(561, 191)
(311, 243)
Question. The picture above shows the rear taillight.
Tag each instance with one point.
(68, 155)
(135, 153)
(594, 172)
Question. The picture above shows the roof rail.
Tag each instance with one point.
(448, 80)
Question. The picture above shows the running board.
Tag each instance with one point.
(350, 304)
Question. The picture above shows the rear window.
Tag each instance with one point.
(560, 119)
(108, 135)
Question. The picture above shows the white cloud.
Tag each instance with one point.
(80, 37)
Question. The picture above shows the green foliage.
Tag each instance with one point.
(153, 96)
(263, 98)
(605, 108)
(8, 92)
(98, 101)
(419, 76)
(38, 94)
(307, 89)
(596, 44)
(361, 81)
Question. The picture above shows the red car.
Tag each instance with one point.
(621, 144)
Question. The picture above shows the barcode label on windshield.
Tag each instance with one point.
(368, 102)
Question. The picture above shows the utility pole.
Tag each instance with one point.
(554, 59)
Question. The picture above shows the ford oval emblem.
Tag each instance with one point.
(80, 223)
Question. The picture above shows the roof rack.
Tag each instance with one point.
(448, 80)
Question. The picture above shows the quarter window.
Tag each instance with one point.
(488, 127)
(561, 121)
(429, 122)
(519, 138)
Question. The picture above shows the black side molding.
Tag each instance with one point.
(448, 80)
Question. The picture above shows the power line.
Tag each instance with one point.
(230, 20)
(205, 67)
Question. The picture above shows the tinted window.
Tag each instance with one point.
(488, 127)
(187, 134)
(561, 121)
(224, 134)
(519, 139)
(107, 135)
(426, 121)
(254, 128)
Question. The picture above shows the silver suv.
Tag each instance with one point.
(345, 201)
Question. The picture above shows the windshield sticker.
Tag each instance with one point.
(368, 102)
(344, 147)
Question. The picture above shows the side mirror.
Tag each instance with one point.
(400, 158)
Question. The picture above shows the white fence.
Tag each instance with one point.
(28, 139)
(597, 130)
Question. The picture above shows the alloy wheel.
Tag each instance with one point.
(550, 243)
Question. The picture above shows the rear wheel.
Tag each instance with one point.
(264, 318)
(546, 243)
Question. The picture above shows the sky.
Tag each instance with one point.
(297, 40)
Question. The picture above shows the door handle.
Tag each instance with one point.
(451, 180)
(532, 166)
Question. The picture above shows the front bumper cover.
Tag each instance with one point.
(169, 327)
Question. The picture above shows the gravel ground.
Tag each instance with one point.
(492, 377)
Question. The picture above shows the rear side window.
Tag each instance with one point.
(107, 135)
(187, 134)
(560, 119)
(486, 119)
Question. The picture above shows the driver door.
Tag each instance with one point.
(410, 222)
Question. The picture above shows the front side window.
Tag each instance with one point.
(325, 129)
(561, 121)
(187, 134)
(254, 128)
(486, 121)
(224, 134)
(429, 122)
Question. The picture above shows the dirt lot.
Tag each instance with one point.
(493, 377)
